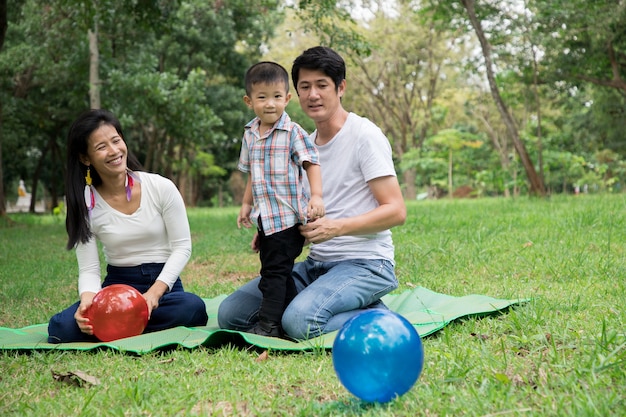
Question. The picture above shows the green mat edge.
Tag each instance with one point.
(211, 336)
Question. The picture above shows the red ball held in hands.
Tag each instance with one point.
(118, 311)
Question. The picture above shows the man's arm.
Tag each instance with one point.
(390, 212)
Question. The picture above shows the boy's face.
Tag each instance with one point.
(319, 98)
(268, 101)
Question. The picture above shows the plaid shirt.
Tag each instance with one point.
(275, 164)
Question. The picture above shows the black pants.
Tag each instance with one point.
(278, 253)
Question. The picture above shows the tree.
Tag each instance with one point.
(36, 51)
(400, 80)
(331, 22)
(220, 39)
(455, 18)
(3, 31)
(482, 109)
(162, 67)
(453, 140)
(536, 183)
(584, 41)
(464, 15)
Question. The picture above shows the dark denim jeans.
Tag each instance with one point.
(176, 307)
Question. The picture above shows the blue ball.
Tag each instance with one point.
(378, 355)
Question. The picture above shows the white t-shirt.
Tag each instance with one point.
(157, 232)
(360, 152)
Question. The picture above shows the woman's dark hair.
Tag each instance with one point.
(320, 58)
(77, 219)
(266, 72)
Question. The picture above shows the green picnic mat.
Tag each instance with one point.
(427, 310)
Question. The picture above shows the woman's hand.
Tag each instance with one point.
(80, 316)
(154, 294)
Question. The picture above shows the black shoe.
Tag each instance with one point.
(266, 328)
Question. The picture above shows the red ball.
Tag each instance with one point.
(118, 311)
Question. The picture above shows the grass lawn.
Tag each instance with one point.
(562, 354)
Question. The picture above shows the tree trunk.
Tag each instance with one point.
(94, 62)
(538, 104)
(3, 206)
(4, 23)
(450, 190)
(536, 184)
(170, 154)
(36, 175)
(57, 161)
(501, 147)
(410, 192)
(150, 136)
(3, 31)
(221, 195)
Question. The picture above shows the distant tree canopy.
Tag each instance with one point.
(539, 83)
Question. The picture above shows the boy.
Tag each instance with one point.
(274, 152)
(351, 263)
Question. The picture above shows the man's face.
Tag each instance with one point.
(317, 94)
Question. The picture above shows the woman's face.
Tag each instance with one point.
(106, 152)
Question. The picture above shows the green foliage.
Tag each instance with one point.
(162, 66)
(583, 40)
(454, 139)
(333, 24)
(173, 71)
(206, 165)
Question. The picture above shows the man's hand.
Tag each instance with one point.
(321, 230)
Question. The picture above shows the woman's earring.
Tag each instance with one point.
(90, 198)
(129, 185)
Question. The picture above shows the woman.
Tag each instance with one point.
(139, 219)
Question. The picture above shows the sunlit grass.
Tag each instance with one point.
(561, 354)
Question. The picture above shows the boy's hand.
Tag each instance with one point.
(315, 210)
(243, 219)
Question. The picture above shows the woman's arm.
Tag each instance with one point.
(179, 235)
(89, 278)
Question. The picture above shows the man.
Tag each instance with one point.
(351, 261)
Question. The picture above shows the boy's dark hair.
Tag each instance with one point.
(266, 72)
(320, 58)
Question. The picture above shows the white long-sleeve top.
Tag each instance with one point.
(157, 232)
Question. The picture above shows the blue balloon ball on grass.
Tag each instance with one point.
(378, 355)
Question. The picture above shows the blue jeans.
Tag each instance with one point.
(176, 307)
(329, 294)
